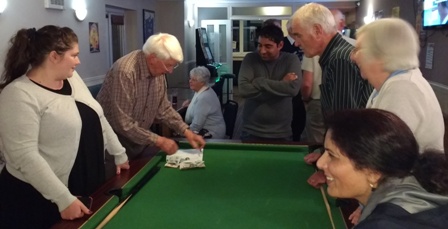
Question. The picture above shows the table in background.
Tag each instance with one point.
(242, 186)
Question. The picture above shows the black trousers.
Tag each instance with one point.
(298, 117)
(22, 206)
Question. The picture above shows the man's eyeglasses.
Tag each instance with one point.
(171, 67)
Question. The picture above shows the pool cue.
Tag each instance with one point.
(112, 213)
(133, 191)
(327, 205)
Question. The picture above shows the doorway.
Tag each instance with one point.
(219, 33)
(117, 33)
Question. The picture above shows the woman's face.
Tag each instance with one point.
(195, 84)
(343, 179)
(68, 61)
(369, 67)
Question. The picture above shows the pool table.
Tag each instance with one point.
(242, 186)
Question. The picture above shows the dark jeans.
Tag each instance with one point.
(298, 117)
(22, 206)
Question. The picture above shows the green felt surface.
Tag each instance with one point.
(242, 186)
(98, 217)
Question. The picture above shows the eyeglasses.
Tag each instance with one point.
(171, 67)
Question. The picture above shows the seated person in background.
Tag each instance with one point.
(53, 132)
(372, 156)
(204, 110)
(268, 79)
(134, 95)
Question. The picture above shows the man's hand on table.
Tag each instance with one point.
(317, 179)
(196, 141)
(122, 166)
(167, 145)
(312, 157)
(354, 217)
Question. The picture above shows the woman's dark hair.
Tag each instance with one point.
(271, 32)
(30, 48)
(379, 140)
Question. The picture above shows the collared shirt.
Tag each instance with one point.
(312, 65)
(290, 39)
(132, 99)
(342, 86)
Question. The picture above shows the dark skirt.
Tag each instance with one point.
(22, 206)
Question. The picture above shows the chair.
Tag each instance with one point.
(95, 89)
(182, 111)
(227, 78)
(217, 87)
(229, 111)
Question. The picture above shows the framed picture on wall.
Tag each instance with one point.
(94, 40)
(148, 24)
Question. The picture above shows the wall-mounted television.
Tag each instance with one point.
(435, 13)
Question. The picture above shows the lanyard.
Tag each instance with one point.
(398, 72)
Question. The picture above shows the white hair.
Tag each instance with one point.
(315, 14)
(164, 46)
(201, 74)
(393, 41)
(338, 18)
(288, 24)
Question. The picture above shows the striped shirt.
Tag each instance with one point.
(342, 86)
(132, 99)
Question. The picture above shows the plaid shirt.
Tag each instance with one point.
(132, 99)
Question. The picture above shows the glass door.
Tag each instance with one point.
(220, 41)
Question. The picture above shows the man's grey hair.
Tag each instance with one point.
(164, 46)
(315, 14)
(338, 17)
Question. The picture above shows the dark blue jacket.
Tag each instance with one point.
(391, 216)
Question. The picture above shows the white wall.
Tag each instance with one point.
(170, 19)
(27, 14)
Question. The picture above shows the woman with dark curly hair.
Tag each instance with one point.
(372, 156)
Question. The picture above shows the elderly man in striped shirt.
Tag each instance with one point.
(342, 87)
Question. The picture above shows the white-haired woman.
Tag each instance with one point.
(204, 109)
(387, 54)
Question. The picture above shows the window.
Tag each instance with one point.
(244, 33)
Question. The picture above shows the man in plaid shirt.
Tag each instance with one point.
(134, 94)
